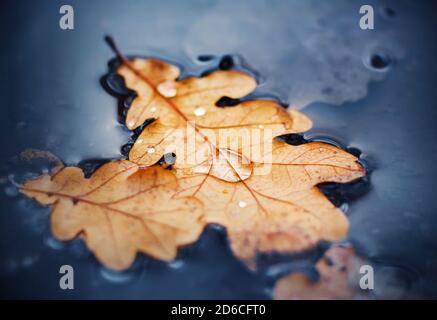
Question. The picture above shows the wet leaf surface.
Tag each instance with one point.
(121, 209)
(264, 191)
(281, 211)
(186, 111)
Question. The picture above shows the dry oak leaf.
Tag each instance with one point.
(338, 278)
(282, 211)
(185, 113)
(120, 210)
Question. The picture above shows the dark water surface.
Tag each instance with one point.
(370, 90)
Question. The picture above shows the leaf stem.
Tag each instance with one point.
(111, 43)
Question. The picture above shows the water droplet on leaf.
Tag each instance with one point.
(167, 89)
(199, 111)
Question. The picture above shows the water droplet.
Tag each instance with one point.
(321, 149)
(242, 204)
(167, 89)
(153, 109)
(140, 141)
(199, 111)
(130, 123)
(261, 126)
(151, 150)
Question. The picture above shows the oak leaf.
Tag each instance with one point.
(268, 200)
(282, 211)
(188, 122)
(338, 278)
(279, 210)
(121, 209)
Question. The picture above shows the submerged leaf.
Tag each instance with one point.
(338, 279)
(119, 210)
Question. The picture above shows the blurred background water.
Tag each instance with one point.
(370, 90)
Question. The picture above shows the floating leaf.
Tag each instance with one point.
(278, 208)
(119, 210)
(281, 211)
(263, 191)
(188, 122)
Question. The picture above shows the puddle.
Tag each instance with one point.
(369, 92)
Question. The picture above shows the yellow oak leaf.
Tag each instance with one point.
(265, 194)
(120, 210)
(262, 190)
(281, 210)
(189, 124)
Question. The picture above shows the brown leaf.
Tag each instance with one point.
(121, 209)
(338, 278)
(281, 211)
(189, 123)
(263, 191)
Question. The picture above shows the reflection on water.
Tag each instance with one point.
(370, 90)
